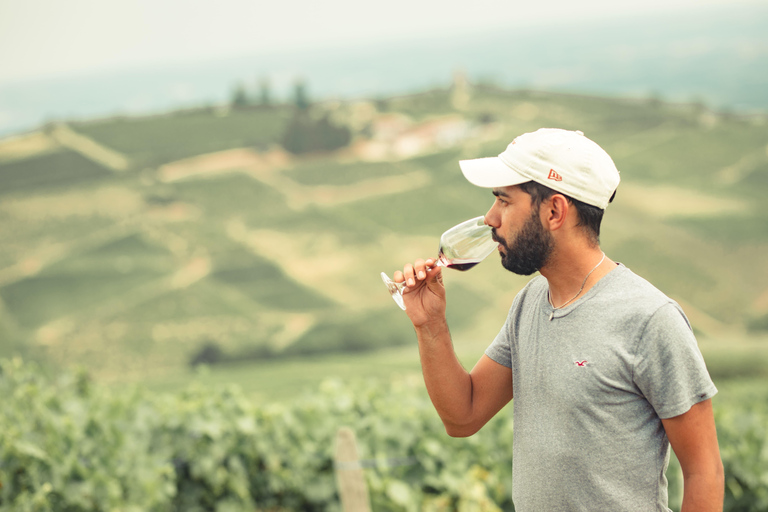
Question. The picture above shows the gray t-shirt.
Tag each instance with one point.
(590, 388)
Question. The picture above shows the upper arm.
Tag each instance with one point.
(694, 439)
(491, 391)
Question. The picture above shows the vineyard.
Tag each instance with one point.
(205, 272)
(69, 444)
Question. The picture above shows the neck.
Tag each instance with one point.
(572, 273)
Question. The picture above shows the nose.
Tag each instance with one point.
(492, 218)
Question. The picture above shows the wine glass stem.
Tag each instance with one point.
(396, 289)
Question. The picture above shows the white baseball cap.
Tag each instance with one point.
(563, 160)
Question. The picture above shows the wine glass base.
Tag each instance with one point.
(394, 290)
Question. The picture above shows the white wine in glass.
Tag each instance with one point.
(461, 248)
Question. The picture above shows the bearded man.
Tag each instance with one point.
(604, 368)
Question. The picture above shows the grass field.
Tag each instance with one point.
(260, 252)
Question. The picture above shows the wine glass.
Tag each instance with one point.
(461, 248)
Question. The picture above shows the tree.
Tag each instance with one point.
(209, 353)
(307, 135)
(265, 92)
(300, 96)
(239, 96)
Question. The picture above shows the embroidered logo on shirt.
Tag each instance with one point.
(580, 363)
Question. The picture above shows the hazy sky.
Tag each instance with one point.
(41, 38)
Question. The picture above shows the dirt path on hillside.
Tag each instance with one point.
(209, 165)
(89, 148)
(37, 143)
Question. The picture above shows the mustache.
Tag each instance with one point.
(496, 238)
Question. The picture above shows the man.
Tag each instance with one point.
(604, 368)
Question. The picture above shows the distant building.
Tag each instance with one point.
(396, 136)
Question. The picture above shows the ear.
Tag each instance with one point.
(555, 212)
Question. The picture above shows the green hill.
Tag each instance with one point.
(133, 245)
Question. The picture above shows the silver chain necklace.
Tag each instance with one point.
(549, 295)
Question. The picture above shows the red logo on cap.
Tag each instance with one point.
(554, 176)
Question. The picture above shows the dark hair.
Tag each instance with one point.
(590, 217)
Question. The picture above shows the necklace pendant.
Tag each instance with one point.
(551, 316)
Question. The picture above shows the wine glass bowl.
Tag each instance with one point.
(461, 248)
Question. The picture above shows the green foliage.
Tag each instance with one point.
(305, 134)
(209, 353)
(742, 428)
(68, 444)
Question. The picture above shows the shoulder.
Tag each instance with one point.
(659, 324)
(633, 292)
(631, 303)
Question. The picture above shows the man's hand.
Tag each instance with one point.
(424, 295)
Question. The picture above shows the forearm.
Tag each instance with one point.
(449, 385)
(703, 492)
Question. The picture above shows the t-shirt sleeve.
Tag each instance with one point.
(669, 368)
(500, 349)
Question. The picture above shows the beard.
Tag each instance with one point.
(530, 249)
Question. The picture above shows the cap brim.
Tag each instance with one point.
(490, 172)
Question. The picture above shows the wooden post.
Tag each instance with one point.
(349, 473)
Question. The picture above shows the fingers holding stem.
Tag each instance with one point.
(416, 272)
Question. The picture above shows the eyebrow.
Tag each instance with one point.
(500, 193)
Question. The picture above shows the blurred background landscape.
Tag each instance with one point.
(224, 219)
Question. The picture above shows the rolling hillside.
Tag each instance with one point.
(133, 245)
